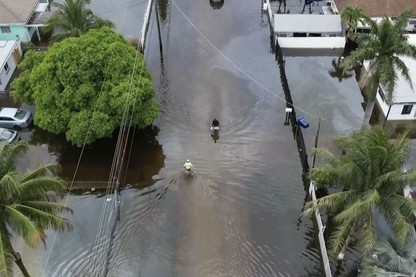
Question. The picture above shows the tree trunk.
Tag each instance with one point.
(19, 262)
(369, 83)
(368, 112)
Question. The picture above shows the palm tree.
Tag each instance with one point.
(28, 206)
(74, 19)
(369, 171)
(391, 259)
(351, 16)
(382, 48)
(337, 71)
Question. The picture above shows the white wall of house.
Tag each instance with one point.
(7, 62)
(398, 111)
(310, 24)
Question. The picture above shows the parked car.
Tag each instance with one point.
(14, 118)
(8, 136)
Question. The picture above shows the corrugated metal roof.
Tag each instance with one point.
(307, 23)
(16, 11)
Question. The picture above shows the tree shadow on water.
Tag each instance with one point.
(216, 4)
(143, 158)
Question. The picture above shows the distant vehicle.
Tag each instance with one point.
(14, 118)
(8, 136)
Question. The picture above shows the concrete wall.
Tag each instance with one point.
(20, 30)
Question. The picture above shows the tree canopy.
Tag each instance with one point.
(351, 16)
(391, 258)
(82, 86)
(369, 171)
(28, 206)
(382, 48)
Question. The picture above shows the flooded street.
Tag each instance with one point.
(239, 214)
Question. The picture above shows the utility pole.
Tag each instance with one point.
(158, 31)
(316, 142)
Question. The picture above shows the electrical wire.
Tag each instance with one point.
(116, 167)
(118, 159)
(249, 76)
(80, 157)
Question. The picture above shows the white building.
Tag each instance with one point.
(296, 33)
(403, 105)
(10, 56)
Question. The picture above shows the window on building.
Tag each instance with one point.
(5, 29)
(297, 35)
(407, 109)
(381, 93)
(0, 82)
(6, 68)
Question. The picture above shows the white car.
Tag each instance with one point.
(15, 118)
(8, 136)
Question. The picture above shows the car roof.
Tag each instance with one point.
(10, 112)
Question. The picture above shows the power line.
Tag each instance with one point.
(249, 76)
(81, 154)
(116, 170)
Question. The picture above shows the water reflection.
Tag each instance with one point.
(163, 6)
(338, 71)
(280, 5)
(215, 136)
(216, 4)
(144, 156)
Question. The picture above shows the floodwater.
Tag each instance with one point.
(239, 214)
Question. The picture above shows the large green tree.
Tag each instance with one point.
(28, 206)
(73, 19)
(82, 86)
(369, 172)
(390, 259)
(382, 48)
(22, 84)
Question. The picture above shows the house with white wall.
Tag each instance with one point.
(10, 56)
(18, 18)
(402, 109)
(309, 33)
(307, 27)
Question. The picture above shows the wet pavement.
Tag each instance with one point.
(239, 216)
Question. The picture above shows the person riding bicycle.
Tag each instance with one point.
(187, 165)
(215, 123)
